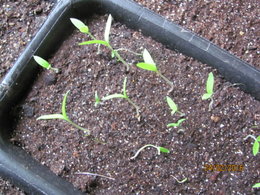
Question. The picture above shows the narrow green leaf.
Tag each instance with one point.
(63, 108)
(108, 27)
(258, 138)
(164, 150)
(210, 83)
(42, 62)
(80, 25)
(257, 185)
(113, 96)
(95, 42)
(255, 148)
(148, 58)
(206, 96)
(124, 87)
(182, 181)
(112, 54)
(97, 99)
(146, 66)
(51, 116)
(176, 124)
(172, 105)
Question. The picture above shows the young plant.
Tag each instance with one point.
(257, 185)
(174, 109)
(63, 115)
(124, 96)
(180, 181)
(256, 144)
(45, 64)
(150, 65)
(176, 124)
(173, 106)
(84, 29)
(97, 99)
(209, 89)
(159, 150)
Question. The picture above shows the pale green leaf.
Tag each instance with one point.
(80, 25)
(172, 105)
(113, 96)
(258, 138)
(148, 58)
(206, 96)
(257, 185)
(210, 83)
(101, 42)
(124, 87)
(182, 181)
(42, 62)
(108, 27)
(164, 150)
(63, 108)
(97, 99)
(176, 124)
(112, 54)
(146, 66)
(255, 148)
(51, 116)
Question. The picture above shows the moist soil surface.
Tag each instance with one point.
(214, 137)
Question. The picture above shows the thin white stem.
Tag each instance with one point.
(145, 146)
(136, 107)
(79, 127)
(180, 181)
(164, 78)
(250, 136)
(94, 174)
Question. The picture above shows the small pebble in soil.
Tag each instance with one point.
(215, 119)
(28, 111)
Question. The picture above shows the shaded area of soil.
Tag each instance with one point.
(66, 151)
(19, 23)
(206, 137)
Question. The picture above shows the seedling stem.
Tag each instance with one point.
(63, 116)
(159, 150)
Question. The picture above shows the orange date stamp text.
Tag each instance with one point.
(222, 167)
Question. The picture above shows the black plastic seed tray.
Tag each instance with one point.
(19, 167)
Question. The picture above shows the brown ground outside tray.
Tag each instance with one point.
(206, 137)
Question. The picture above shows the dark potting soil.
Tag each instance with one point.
(214, 137)
(205, 138)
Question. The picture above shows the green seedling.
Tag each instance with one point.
(63, 115)
(150, 65)
(173, 106)
(84, 29)
(124, 96)
(180, 181)
(176, 124)
(256, 144)
(257, 185)
(159, 150)
(45, 64)
(81, 27)
(209, 90)
(97, 99)
(174, 109)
